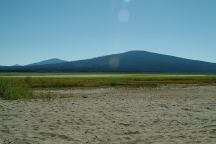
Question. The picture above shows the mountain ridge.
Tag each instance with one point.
(48, 61)
(131, 61)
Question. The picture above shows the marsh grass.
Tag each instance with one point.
(113, 81)
(21, 85)
(9, 90)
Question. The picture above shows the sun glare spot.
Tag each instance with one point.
(127, 1)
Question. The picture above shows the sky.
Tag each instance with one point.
(35, 30)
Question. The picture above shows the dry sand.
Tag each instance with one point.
(166, 115)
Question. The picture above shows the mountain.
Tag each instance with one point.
(16, 65)
(49, 61)
(132, 61)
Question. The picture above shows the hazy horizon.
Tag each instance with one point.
(32, 31)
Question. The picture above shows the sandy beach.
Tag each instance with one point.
(163, 115)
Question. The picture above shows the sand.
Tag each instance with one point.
(165, 115)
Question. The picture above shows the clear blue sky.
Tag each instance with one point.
(34, 30)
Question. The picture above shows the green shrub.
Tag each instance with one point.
(9, 90)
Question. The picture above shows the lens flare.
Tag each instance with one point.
(114, 62)
(124, 16)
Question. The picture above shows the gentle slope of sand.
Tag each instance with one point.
(166, 115)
